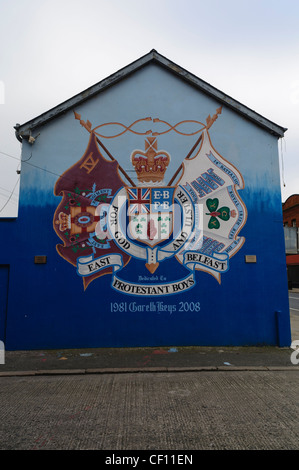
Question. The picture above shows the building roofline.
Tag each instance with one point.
(25, 130)
(293, 196)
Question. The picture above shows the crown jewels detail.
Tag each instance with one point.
(150, 165)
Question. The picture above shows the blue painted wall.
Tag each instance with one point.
(47, 306)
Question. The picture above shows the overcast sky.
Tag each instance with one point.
(52, 49)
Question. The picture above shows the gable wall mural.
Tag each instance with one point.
(105, 222)
(157, 212)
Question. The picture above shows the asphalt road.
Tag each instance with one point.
(294, 303)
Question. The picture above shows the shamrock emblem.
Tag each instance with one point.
(223, 213)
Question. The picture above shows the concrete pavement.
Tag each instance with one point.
(159, 412)
(135, 360)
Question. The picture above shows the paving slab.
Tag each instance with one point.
(119, 360)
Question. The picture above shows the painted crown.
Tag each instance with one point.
(63, 221)
(150, 165)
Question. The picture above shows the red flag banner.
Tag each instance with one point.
(80, 220)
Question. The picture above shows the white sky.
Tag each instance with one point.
(51, 50)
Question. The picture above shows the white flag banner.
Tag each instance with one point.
(213, 183)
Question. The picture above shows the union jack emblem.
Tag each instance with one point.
(139, 200)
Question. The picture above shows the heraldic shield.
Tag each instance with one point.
(150, 214)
